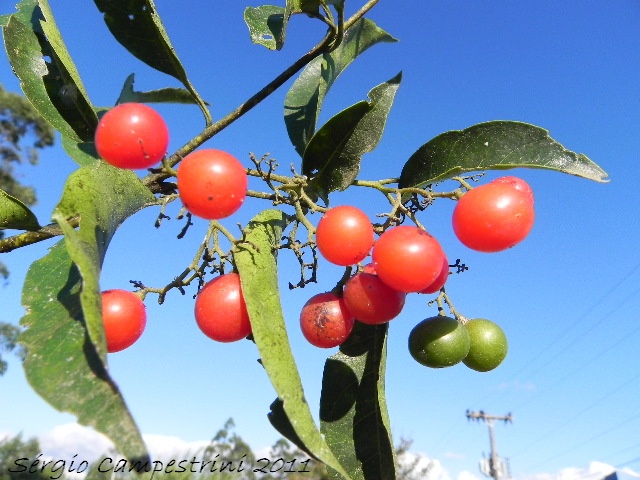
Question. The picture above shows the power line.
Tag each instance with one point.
(580, 319)
(625, 383)
(588, 440)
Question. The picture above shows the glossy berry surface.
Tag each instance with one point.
(440, 280)
(212, 184)
(407, 258)
(439, 342)
(519, 184)
(325, 320)
(124, 318)
(488, 345)
(493, 217)
(132, 136)
(344, 235)
(370, 300)
(220, 309)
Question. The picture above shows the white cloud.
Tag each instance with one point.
(72, 439)
(65, 441)
(454, 456)
(466, 475)
(165, 447)
(595, 471)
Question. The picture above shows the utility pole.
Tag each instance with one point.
(497, 467)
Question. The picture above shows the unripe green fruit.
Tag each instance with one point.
(488, 345)
(439, 342)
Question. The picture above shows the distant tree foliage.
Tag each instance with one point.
(17, 456)
(22, 133)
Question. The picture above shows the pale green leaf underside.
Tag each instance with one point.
(256, 263)
(265, 25)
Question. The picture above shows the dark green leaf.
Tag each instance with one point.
(164, 95)
(353, 411)
(497, 145)
(47, 74)
(305, 97)
(138, 27)
(336, 150)
(62, 364)
(256, 263)
(66, 351)
(265, 25)
(15, 214)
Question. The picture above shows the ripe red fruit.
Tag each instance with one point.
(518, 184)
(440, 280)
(407, 258)
(132, 135)
(220, 309)
(325, 320)
(124, 317)
(212, 184)
(344, 235)
(370, 300)
(493, 217)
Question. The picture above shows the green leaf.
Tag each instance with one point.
(256, 262)
(16, 215)
(305, 97)
(497, 145)
(62, 364)
(163, 95)
(48, 76)
(66, 351)
(103, 197)
(4, 20)
(353, 412)
(336, 150)
(83, 153)
(266, 25)
(138, 27)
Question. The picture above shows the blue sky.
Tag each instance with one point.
(567, 297)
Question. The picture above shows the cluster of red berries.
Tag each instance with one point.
(212, 184)
(405, 259)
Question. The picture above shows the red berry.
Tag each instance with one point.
(440, 280)
(407, 258)
(325, 320)
(132, 135)
(220, 309)
(344, 235)
(370, 300)
(212, 184)
(518, 184)
(493, 217)
(124, 317)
